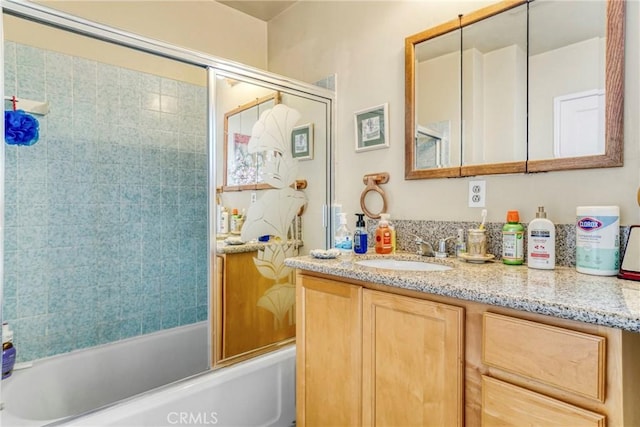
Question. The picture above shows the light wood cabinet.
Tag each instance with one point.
(371, 354)
(329, 353)
(412, 361)
(374, 358)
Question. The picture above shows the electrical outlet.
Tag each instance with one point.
(477, 194)
(254, 197)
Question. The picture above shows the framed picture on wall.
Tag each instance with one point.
(372, 128)
(302, 142)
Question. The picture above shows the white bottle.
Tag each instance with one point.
(223, 221)
(343, 237)
(541, 242)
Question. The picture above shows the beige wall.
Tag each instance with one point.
(205, 25)
(363, 42)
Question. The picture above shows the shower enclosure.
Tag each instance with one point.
(110, 218)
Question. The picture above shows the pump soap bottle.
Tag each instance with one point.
(343, 236)
(384, 243)
(541, 242)
(360, 236)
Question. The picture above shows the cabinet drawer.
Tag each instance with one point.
(566, 359)
(504, 404)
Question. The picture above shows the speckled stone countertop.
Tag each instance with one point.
(562, 292)
(225, 248)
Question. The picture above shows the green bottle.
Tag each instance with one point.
(513, 240)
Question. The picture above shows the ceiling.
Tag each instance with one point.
(264, 10)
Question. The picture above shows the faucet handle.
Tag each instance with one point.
(442, 247)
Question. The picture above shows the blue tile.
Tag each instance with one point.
(33, 305)
(188, 316)
(130, 327)
(151, 321)
(202, 313)
(168, 87)
(170, 318)
(9, 308)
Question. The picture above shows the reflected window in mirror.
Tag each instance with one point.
(494, 94)
(437, 94)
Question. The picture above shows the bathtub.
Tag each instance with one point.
(66, 385)
(133, 383)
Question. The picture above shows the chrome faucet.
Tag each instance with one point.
(424, 247)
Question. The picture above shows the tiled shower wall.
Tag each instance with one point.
(106, 215)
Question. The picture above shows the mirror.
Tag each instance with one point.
(575, 84)
(437, 129)
(254, 290)
(518, 144)
(494, 93)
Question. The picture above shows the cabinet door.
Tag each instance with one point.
(412, 362)
(329, 353)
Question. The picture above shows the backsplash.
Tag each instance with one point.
(431, 231)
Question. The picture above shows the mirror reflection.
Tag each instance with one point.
(494, 82)
(277, 210)
(567, 45)
(437, 134)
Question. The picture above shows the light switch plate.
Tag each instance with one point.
(477, 194)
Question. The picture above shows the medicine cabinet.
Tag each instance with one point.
(518, 86)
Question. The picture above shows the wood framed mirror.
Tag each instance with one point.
(536, 154)
(241, 170)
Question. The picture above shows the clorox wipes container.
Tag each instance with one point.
(598, 240)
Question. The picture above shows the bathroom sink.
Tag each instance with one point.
(402, 265)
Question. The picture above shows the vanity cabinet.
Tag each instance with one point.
(370, 354)
(367, 357)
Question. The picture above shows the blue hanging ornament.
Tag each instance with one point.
(20, 128)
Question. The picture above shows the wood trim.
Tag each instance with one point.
(494, 168)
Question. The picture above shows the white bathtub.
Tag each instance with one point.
(70, 384)
(67, 389)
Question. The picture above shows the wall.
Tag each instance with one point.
(205, 26)
(106, 215)
(363, 43)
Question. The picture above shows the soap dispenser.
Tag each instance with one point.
(383, 237)
(343, 236)
(360, 236)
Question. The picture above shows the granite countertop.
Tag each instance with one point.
(562, 292)
(225, 248)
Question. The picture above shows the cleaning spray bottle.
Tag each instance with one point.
(360, 236)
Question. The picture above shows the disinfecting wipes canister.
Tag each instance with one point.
(598, 240)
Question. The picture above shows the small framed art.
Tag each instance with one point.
(372, 128)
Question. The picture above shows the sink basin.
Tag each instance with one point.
(402, 265)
